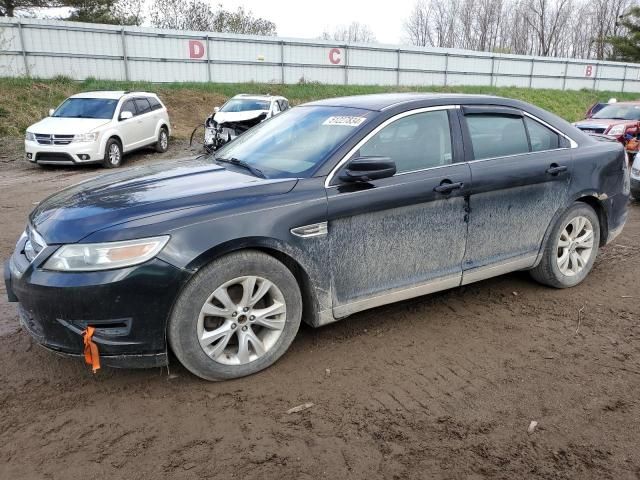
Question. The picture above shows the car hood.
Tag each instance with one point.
(112, 199)
(66, 126)
(224, 117)
(601, 122)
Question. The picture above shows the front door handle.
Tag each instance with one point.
(555, 169)
(447, 187)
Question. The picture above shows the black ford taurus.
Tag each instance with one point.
(328, 209)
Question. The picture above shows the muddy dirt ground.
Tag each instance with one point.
(443, 386)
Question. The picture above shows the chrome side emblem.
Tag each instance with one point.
(308, 231)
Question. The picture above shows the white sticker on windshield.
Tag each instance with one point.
(344, 120)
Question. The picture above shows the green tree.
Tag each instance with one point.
(626, 47)
(8, 8)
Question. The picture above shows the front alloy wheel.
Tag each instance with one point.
(242, 320)
(112, 154)
(236, 316)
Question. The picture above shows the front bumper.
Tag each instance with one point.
(128, 308)
(71, 154)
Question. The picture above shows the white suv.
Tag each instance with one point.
(98, 127)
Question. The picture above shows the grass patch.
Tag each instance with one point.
(24, 101)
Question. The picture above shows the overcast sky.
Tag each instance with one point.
(306, 19)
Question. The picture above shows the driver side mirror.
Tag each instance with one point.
(126, 115)
(366, 169)
(51, 110)
(216, 109)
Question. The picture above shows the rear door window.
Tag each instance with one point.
(497, 135)
(142, 104)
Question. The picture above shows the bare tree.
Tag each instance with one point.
(418, 27)
(131, 12)
(198, 15)
(567, 28)
(547, 20)
(355, 32)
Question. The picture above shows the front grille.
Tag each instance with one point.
(592, 129)
(53, 157)
(44, 139)
(34, 244)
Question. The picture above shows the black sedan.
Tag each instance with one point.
(326, 210)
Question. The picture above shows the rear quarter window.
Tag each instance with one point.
(155, 104)
(542, 138)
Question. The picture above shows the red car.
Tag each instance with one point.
(619, 120)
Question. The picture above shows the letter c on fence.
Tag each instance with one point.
(196, 49)
(334, 56)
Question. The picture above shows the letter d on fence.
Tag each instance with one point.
(196, 49)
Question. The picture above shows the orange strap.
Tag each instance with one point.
(91, 354)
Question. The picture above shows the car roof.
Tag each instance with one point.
(383, 101)
(111, 94)
(250, 96)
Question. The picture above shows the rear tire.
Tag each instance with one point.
(112, 154)
(571, 248)
(162, 144)
(238, 335)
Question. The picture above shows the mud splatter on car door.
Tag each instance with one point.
(520, 181)
(405, 235)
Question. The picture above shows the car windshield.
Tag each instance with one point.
(296, 142)
(245, 105)
(619, 112)
(86, 108)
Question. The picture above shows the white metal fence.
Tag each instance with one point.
(46, 48)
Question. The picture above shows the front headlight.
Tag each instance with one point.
(105, 256)
(30, 137)
(85, 137)
(617, 130)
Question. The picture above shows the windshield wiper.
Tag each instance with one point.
(241, 163)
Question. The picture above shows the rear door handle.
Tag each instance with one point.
(447, 187)
(555, 169)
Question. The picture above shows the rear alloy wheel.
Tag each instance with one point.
(237, 316)
(112, 154)
(575, 246)
(571, 248)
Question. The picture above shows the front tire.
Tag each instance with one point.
(571, 248)
(237, 316)
(112, 154)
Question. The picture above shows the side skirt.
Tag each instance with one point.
(443, 283)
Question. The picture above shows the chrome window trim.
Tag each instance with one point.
(327, 182)
(573, 144)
